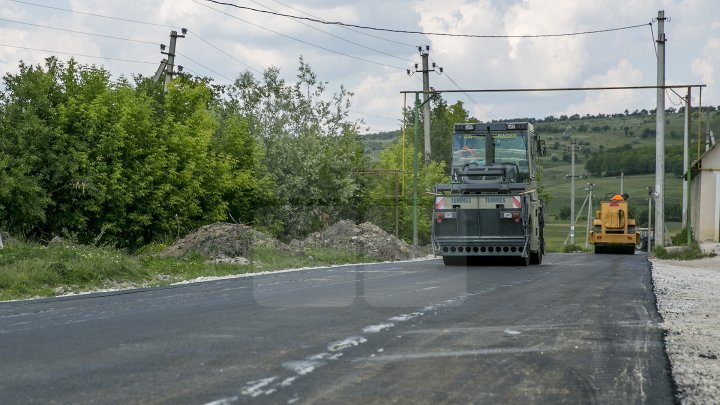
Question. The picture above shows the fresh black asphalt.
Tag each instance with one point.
(580, 328)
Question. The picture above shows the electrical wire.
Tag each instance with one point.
(348, 28)
(480, 106)
(203, 66)
(423, 32)
(79, 54)
(94, 15)
(341, 38)
(300, 40)
(79, 32)
(119, 38)
(375, 116)
(667, 93)
(652, 37)
(224, 53)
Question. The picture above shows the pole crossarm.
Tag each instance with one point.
(521, 90)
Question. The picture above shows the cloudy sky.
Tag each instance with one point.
(224, 41)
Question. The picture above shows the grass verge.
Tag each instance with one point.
(688, 252)
(30, 270)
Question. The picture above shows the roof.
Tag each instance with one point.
(697, 164)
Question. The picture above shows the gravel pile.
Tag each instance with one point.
(223, 242)
(366, 238)
(687, 298)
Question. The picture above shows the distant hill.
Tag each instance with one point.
(607, 143)
(593, 133)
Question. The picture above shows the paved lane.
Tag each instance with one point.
(579, 328)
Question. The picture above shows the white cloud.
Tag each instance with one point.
(612, 101)
(625, 57)
(376, 95)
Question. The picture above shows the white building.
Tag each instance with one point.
(705, 196)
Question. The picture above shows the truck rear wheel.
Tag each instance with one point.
(455, 260)
(536, 257)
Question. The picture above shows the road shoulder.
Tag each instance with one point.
(686, 294)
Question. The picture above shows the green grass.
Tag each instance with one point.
(687, 252)
(30, 270)
(556, 233)
(635, 186)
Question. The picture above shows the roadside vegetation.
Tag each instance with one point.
(30, 270)
(686, 252)
(681, 250)
(122, 164)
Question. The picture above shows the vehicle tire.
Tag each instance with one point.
(536, 257)
(631, 250)
(455, 260)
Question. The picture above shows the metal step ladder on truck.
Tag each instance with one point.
(491, 208)
(613, 229)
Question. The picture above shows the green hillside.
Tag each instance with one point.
(595, 135)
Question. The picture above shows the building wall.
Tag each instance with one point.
(705, 198)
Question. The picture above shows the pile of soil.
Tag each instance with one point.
(366, 238)
(222, 241)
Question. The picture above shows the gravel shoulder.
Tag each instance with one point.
(687, 299)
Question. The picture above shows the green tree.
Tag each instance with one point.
(443, 119)
(311, 150)
(382, 191)
(101, 158)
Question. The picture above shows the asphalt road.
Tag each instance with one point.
(579, 328)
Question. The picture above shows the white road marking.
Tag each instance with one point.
(255, 388)
(377, 328)
(458, 353)
(303, 367)
(346, 343)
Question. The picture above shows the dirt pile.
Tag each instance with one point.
(224, 242)
(366, 238)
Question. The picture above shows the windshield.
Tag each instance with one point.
(510, 148)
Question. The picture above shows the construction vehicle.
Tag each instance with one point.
(491, 208)
(613, 229)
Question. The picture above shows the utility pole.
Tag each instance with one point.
(660, 135)
(622, 181)
(589, 214)
(650, 231)
(416, 117)
(686, 155)
(171, 56)
(572, 191)
(426, 69)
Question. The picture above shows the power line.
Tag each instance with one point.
(423, 32)
(481, 107)
(79, 54)
(94, 15)
(375, 116)
(341, 38)
(79, 32)
(225, 53)
(347, 28)
(300, 40)
(203, 66)
(520, 90)
(119, 19)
